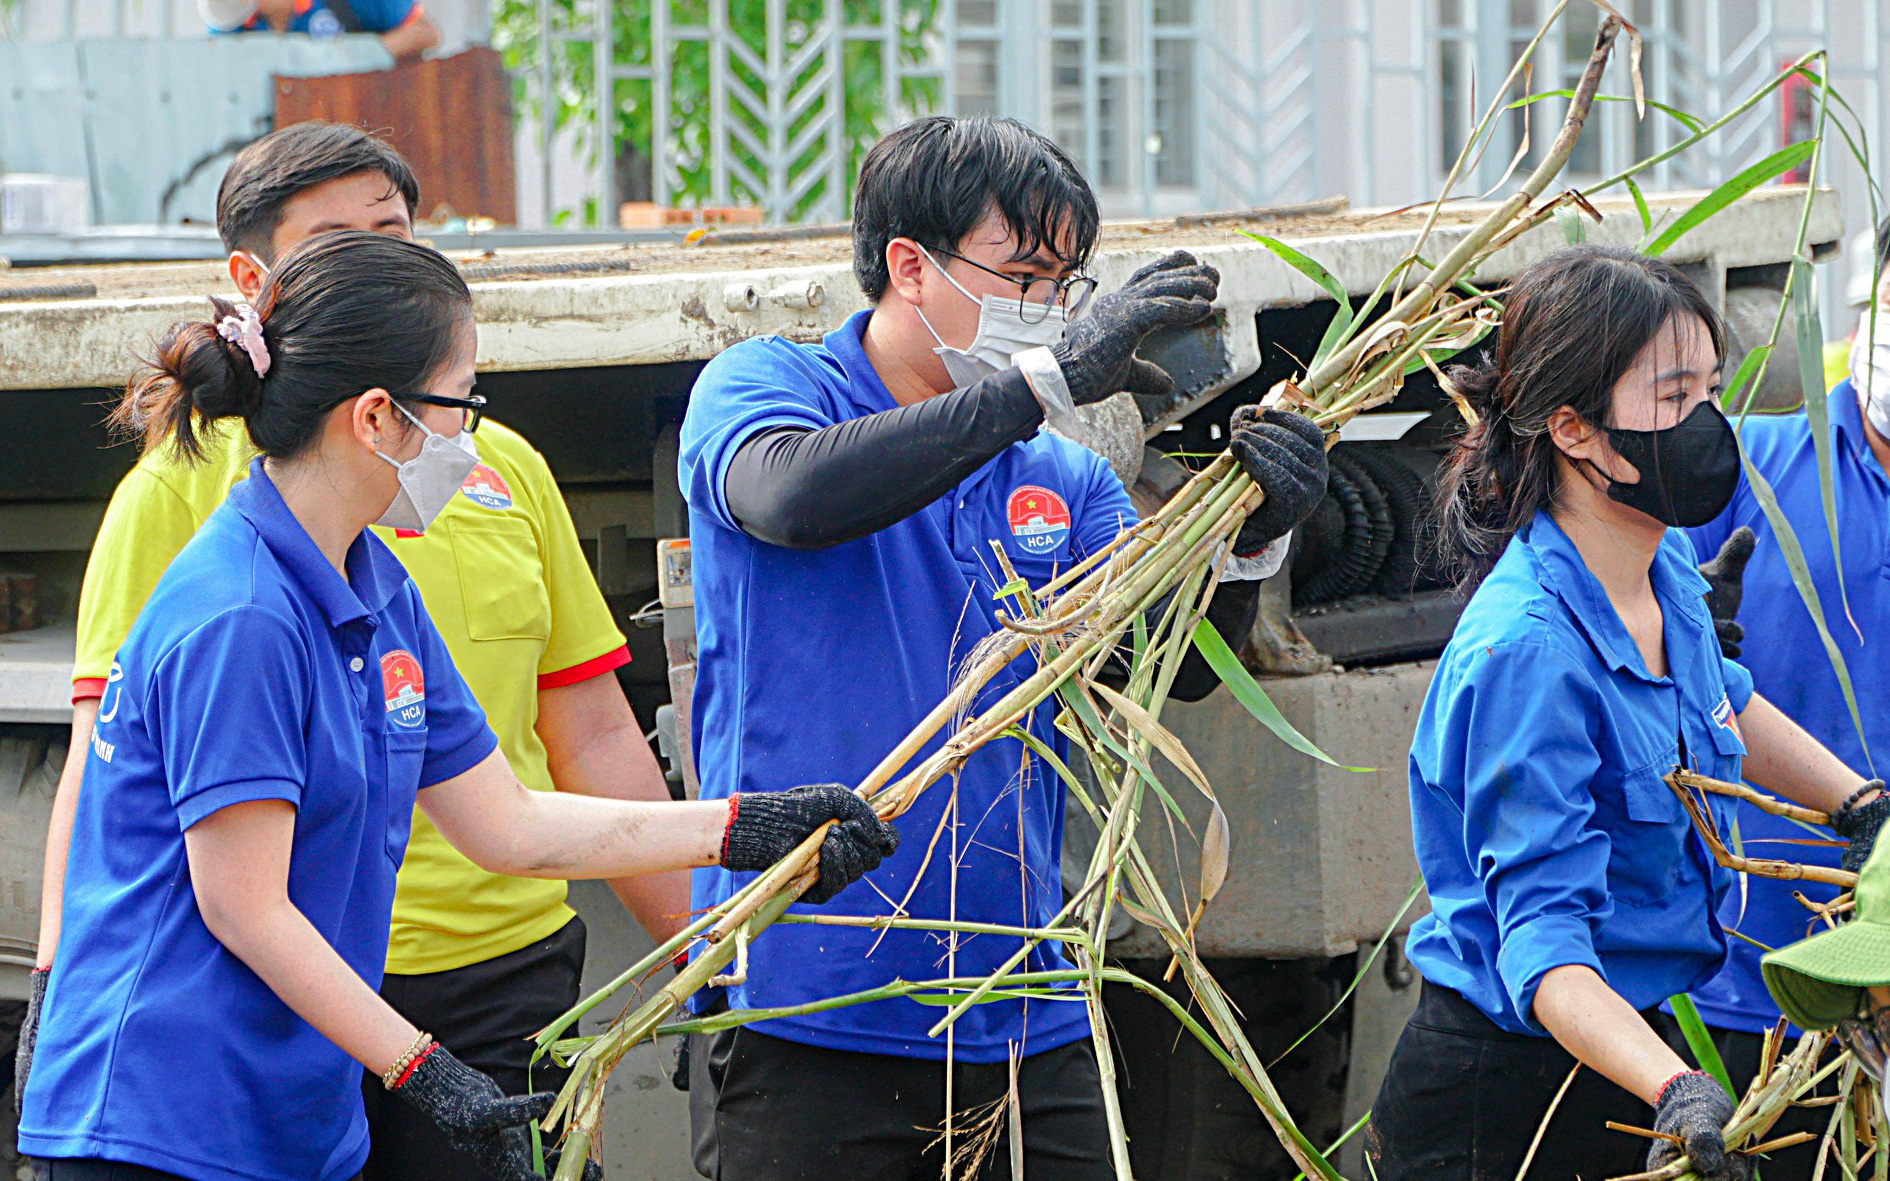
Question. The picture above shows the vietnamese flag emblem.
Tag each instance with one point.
(404, 687)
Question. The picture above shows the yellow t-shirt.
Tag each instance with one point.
(1837, 362)
(508, 588)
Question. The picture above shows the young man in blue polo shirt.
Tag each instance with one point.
(844, 498)
(1782, 649)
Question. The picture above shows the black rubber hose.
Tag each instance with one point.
(1367, 536)
(1406, 499)
(1318, 540)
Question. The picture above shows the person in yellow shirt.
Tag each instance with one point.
(479, 959)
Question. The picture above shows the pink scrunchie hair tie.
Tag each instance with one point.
(245, 329)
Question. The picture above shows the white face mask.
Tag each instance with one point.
(1002, 333)
(1870, 370)
(428, 480)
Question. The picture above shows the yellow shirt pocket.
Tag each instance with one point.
(501, 578)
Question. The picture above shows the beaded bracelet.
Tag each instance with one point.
(1850, 801)
(390, 1078)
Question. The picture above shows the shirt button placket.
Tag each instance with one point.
(355, 642)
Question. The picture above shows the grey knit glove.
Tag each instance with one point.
(29, 1036)
(479, 1119)
(1859, 824)
(1694, 1107)
(1284, 453)
(1725, 582)
(764, 826)
(1097, 352)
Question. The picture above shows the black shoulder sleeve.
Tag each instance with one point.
(807, 489)
(1231, 614)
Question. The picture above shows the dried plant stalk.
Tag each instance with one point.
(1069, 627)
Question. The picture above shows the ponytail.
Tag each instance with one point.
(1473, 502)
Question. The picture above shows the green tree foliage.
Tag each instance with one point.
(687, 135)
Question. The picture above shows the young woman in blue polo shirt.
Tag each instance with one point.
(1569, 897)
(268, 723)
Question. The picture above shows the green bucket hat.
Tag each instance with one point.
(1817, 981)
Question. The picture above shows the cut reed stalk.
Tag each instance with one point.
(1682, 783)
(1085, 615)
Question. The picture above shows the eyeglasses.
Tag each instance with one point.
(474, 406)
(1866, 1038)
(1040, 293)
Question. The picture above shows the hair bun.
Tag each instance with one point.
(199, 376)
(226, 384)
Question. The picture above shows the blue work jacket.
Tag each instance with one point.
(1544, 830)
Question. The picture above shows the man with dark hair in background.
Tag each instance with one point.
(479, 960)
(843, 501)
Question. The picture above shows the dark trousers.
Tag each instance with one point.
(766, 1109)
(100, 1170)
(1740, 1052)
(1463, 1099)
(483, 1013)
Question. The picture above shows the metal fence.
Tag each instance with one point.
(1169, 105)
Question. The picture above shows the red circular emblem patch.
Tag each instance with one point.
(1040, 521)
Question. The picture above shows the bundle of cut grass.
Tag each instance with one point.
(1070, 627)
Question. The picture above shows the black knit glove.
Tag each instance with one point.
(764, 826)
(1097, 352)
(1694, 1107)
(1284, 453)
(1725, 581)
(29, 1035)
(1858, 824)
(479, 1119)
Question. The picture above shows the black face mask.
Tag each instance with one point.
(1689, 471)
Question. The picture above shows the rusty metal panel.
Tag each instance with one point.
(451, 117)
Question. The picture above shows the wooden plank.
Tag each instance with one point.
(451, 117)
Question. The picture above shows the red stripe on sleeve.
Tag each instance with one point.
(595, 667)
(86, 688)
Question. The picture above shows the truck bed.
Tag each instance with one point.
(543, 309)
(742, 249)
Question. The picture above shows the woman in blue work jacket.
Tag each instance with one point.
(1569, 897)
(268, 724)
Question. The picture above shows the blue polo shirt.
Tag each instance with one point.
(813, 664)
(1786, 658)
(1542, 825)
(255, 672)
